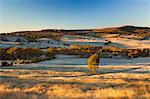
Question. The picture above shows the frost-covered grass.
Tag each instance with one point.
(85, 40)
(131, 43)
(75, 82)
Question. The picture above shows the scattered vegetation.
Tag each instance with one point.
(25, 55)
(33, 36)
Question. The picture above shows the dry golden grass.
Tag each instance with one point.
(46, 84)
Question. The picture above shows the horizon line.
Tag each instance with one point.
(26, 30)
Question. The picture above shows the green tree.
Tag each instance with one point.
(93, 63)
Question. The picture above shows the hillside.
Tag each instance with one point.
(122, 29)
(141, 32)
(136, 32)
(126, 28)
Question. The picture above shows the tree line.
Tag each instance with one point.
(25, 55)
(30, 55)
(105, 52)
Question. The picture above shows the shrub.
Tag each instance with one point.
(93, 63)
(51, 53)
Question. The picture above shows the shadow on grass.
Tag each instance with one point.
(135, 70)
(7, 77)
(128, 70)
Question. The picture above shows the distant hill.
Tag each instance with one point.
(140, 32)
(137, 32)
(124, 29)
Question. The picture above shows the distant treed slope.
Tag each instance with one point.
(123, 29)
(139, 32)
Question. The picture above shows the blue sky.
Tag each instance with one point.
(16, 15)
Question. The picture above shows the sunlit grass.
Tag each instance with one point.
(46, 84)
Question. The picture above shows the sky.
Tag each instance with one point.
(22, 15)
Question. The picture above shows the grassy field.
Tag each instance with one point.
(110, 82)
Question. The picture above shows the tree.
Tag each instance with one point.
(93, 63)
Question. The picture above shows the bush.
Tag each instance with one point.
(93, 63)
(51, 53)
